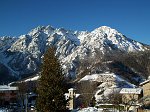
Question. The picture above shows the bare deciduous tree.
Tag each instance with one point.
(86, 89)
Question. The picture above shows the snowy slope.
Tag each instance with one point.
(23, 55)
(6, 42)
(107, 77)
(110, 82)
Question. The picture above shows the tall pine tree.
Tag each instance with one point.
(51, 85)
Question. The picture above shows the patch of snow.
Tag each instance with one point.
(32, 79)
(144, 82)
(90, 109)
(131, 90)
(92, 77)
(67, 95)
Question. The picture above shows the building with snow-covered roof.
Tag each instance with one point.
(7, 88)
(131, 94)
(146, 87)
(8, 94)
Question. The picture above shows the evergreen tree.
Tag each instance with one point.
(51, 86)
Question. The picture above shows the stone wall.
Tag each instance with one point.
(126, 98)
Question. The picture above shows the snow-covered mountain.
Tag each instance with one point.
(23, 55)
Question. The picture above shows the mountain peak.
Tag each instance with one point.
(106, 29)
(71, 46)
(46, 29)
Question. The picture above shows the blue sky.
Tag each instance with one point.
(130, 17)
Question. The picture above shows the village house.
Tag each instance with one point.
(145, 101)
(8, 94)
(131, 95)
(146, 87)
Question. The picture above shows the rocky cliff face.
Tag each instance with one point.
(23, 55)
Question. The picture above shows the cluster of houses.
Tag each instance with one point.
(10, 97)
(9, 94)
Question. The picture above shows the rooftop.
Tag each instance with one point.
(71, 89)
(8, 88)
(146, 81)
(67, 95)
(131, 91)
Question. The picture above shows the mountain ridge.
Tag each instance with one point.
(23, 55)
